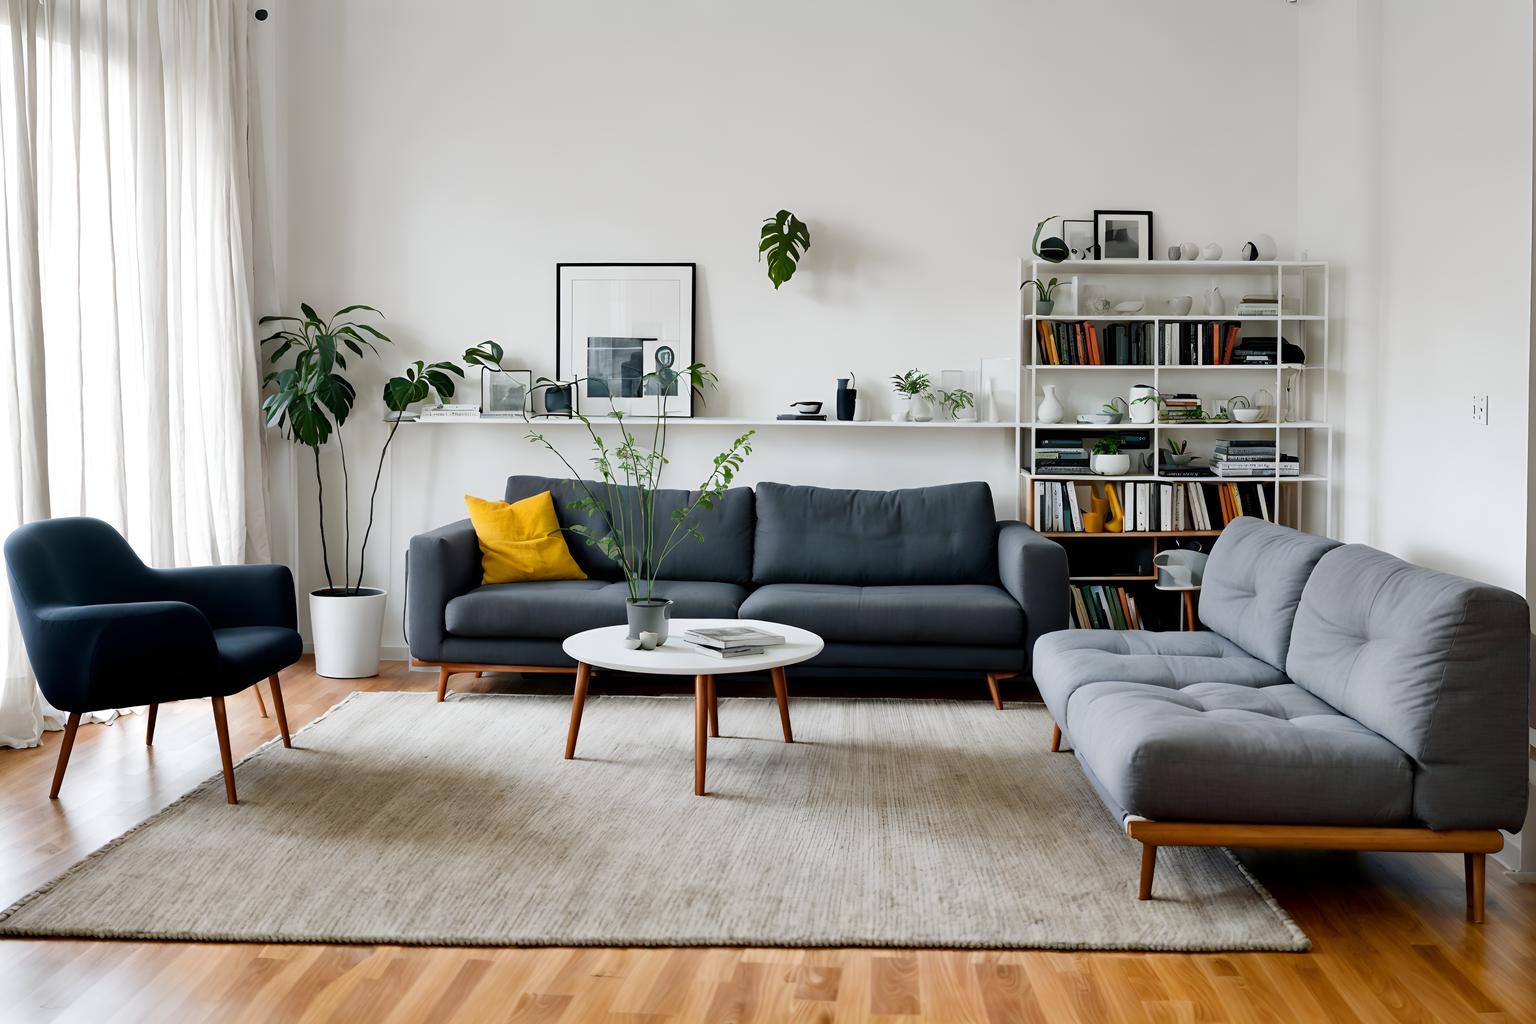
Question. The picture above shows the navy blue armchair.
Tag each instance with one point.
(104, 630)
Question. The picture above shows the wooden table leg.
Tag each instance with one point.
(781, 691)
(578, 701)
(700, 731)
(714, 709)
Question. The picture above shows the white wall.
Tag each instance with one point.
(442, 158)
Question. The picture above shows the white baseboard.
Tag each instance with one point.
(387, 652)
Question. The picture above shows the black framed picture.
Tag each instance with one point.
(1123, 234)
(626, 330)
(1078, 234)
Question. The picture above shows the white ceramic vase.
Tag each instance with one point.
(1143, 412)
(1117, 464)
(903, 411)
(922, 409)
(1050, 410)
(346, 629)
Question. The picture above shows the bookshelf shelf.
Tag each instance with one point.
(1103, 575)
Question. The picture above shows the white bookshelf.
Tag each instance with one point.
(1303, 428)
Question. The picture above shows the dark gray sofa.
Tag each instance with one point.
(1340, 698)
(920, 580)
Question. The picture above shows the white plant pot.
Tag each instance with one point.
(922, 409)
(1142, 412)
(347, 630)
(903, 411)
(1118, 464)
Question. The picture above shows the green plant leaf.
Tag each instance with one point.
(784, 239)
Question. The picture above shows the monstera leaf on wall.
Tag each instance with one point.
(785, 239)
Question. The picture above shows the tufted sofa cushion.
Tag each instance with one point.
(1073, 658)
(1253, 582)
(1435, 663)
(1219, 752)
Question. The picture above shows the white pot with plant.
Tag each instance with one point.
(958, 404)
(914, 396)
(1108, 459)
(638, 538)
(1045, 294)
(310, 401)
(1144, 403)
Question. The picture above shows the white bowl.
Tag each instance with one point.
(1247, 415)
(1130, 306)
(1180, 305)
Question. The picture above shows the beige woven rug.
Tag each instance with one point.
(887, 823)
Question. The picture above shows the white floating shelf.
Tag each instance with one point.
(1256, 267)
(713, 421)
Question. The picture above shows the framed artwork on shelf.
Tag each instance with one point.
(625, 332)
(505, 392)
(1078, 234)
(1122, 234)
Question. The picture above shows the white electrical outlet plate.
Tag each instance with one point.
(1480, 410)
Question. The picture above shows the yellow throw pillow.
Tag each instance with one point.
(521, 542)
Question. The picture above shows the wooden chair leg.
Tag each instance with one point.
(1055, 738)
(221, 726)
(277, 706)
(442, 683)
(781, 691)
(1148, 866)
(261, 705)
(71, 725)
(149, 730)
(714, 709)
(700, 731)
(1476, 867)
(479, 674)
(997, 693)
(578, 701)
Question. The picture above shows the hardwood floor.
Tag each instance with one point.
(1390, 941)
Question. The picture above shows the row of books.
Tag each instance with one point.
(1239, 457)
(1090, 344)
(450, 412)
(731, 641)
(1199, 344)
(1153, 507)
(1096, 606)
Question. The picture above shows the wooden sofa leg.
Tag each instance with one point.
(221, 726)
(442, 683)
(1148, 866)
(1055, 738)
(997, 694)
(71, 726)
(149, 729)
(1476, 866)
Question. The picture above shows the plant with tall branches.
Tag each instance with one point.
(311, 399)
(629, 472)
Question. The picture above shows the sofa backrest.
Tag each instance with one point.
(1435, 663)
(723, 555)
(932, 535)
(1253, 583)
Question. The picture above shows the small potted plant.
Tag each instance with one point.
(1108, 459)
(1045, 294)
(1177, 453)
(1144, 403)
(956, 402)
(914, 392)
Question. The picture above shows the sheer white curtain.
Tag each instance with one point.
(129, 387)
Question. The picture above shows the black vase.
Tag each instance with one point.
(846, 397)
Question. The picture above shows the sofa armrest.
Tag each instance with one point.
(83, 653)
(439, 566)
(1033, 569)
(234, 595)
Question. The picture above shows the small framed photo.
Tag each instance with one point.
(1078, 234)
(1123, 234)
(625, 330)
(505, 392)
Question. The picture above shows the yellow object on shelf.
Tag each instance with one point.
(1116, 521)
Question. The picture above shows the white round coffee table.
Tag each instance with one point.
(604, 648)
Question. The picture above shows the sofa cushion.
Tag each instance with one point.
(924, 535)
(556, 610)
(1067, 660)
(1435, 663)
(723, 555)
(1253, 583)
(1219, 752)
(962, 614)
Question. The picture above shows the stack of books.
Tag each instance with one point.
(1182, 408)
(1262, 305)
(450, 412)
(1258, 457)
(1101, 607)
(1061, 455)
(731, 641)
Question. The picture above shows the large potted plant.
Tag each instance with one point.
(310, 401)
(624, 498)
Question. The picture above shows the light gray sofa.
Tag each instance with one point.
(1339, 698)
(922, 581)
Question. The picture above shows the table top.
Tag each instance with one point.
(604, 648)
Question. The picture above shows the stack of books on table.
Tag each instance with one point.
(1257, 457)
(731, 641)
(1061, 455)
(450, 412)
